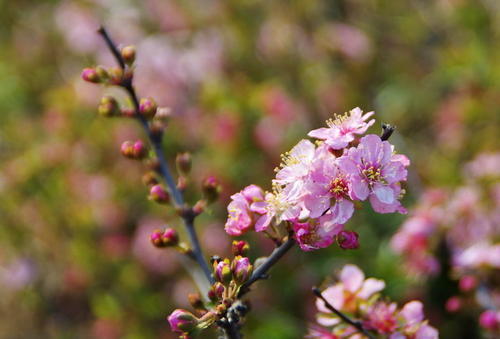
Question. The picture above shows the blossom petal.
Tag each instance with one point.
(352, 277)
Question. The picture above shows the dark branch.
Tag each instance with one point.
(387, 131)
(341, 315)
(156, 141)
(261, 271)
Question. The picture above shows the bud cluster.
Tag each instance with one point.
(167, 238)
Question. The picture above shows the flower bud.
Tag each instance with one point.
(348, 240)
(108, 107)
(163, 113)
(182, 321)
(147, 107)
(489, 320)
(242, 269)
(216, 291)
(139, 150)
(222, 271)
(102, 73)
(467, 283)
(453, 304)
(211, 189)
(159, 194)
(220, 309)
(157, 238)
(195, 301)
(115, 75)
(127, 149)
(170, 237)
(199, 207)
(90, 75)
(128, 54)
(240, 247)
(128, 112)
(183, 163)
(182, 183)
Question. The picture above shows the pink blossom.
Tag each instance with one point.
(381, 317)
(346, 294)
(296, 163)
(314, 234)
(329, 189)
(342, 130)
(241, 218)
(375, 173)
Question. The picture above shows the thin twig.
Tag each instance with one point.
(156, 142)
(261, 271)
(341, 315)
(387, 131)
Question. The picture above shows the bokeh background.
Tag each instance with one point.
(245, 79)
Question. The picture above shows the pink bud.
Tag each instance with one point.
(139, 150)
(182, 321)
(242, 269)
(489, 320)
(90, 75)
(159, 194)
(127, 149)
(222, 271)
(147, 107)
(157, 238)
(170, 237)
(240, 247)
(453, 304)
(348, 240)
(183, 162)
(467, 283)
(115, 75)
(211, 189)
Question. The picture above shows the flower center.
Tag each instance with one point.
(372, 173)
(339, 188)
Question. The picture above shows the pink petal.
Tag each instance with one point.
(352, 278)
(370, 287)
(384, 193)
(413, 312)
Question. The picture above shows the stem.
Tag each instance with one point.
(387, 131)
(261, 271)
(156, 141)
(341, 315)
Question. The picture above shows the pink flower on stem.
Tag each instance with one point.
(347, 294)
(413, 323)
(296, 163)
(342, 130)
(182, 321)
(375, 172)
(381, 317)
(329, 189)
(241, 218)
(316, 234)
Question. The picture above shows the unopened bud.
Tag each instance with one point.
(222, 271)
(159, 194)
(127, 149)
(467, 283)
(199, 207)
(170, 237)
(147, 107)
(348, 240)
(453, 304)
(108, 107)
(115, 75)
(163, 113)
(220, 309)
(139, 150)
(102, 73)
(242, 269)
(182, 321)
(90, 75)
(157, 238)
(183, 163)
(240, 247)
(216, 291)
(195, 301)
(211, 189)
(182, 183)
(490, 320)
(128, 54)
(149, 179)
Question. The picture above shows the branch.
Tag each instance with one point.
(261, 271)
(156, 141)
(341, 315)
(387, 131)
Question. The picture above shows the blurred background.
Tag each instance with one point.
(245, 79)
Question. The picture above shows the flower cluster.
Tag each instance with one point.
(359, 298)
(317, 185)
(465, 221)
